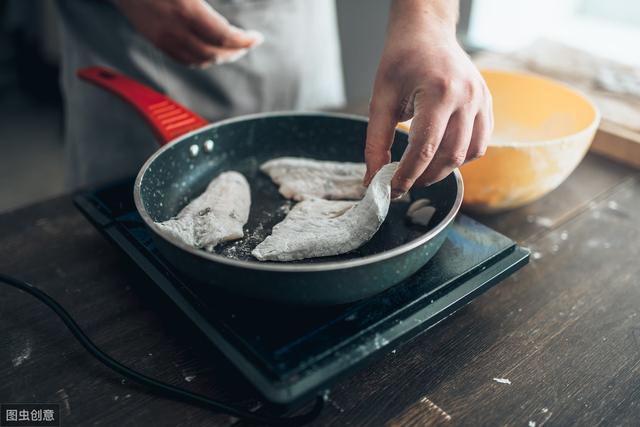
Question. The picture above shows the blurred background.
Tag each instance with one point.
(515, 32)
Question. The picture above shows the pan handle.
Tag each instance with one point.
(167, 118)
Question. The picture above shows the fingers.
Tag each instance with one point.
(380, 132)
(453, 149)
(188, 48)
(202, 53)
(214, 29)
(179, 48)
(466, 138)
(189, 31)
(482, 128)
(426, 132)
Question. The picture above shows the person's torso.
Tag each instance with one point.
(297, 67)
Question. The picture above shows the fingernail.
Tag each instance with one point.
(257, 35)
(396, 194)
(232, 57)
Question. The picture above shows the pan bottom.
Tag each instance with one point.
(268, 208)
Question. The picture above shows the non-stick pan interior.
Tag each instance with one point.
(176, 175)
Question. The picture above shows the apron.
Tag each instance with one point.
(298, 67)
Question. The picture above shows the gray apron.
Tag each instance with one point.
(296, 68)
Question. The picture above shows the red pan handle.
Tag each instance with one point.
(167, 118)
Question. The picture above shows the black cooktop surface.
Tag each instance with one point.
(290, 353)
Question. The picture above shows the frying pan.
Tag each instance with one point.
(194, 151)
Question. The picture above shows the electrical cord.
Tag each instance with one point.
(153, 384)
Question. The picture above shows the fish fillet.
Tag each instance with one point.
(301, 178)
(318, 227)
(217, 215)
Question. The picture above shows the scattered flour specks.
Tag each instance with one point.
(596, 244)
(62, 394)
(435, 408)
(25, 354)
(536, 255)
(379, 341)
(502, 380)
(286, 207)
(532, 424)
(543, 221)
(350, 317)
(335, 404)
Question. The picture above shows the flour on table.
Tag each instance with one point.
(217, 215)
(420, 212)
(317, 227)
(300, 178)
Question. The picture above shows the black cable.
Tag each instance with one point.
(155, 385)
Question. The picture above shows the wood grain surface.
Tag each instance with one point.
(564, 331)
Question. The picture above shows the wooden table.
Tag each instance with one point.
(565, 330)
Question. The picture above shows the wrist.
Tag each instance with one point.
(436, 19)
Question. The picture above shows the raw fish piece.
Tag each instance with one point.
(300, 178)
(217, 215)
(317, 227)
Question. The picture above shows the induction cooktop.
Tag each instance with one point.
(292, 353)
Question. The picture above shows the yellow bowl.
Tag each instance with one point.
(543, 129)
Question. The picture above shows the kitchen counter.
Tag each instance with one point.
(564, 331)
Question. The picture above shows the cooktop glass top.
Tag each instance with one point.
(287, 352)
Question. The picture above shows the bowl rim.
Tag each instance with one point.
(588, 130)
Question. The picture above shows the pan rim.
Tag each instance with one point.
(283, 267)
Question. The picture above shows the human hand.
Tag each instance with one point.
(424, 74)
(189, 31)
